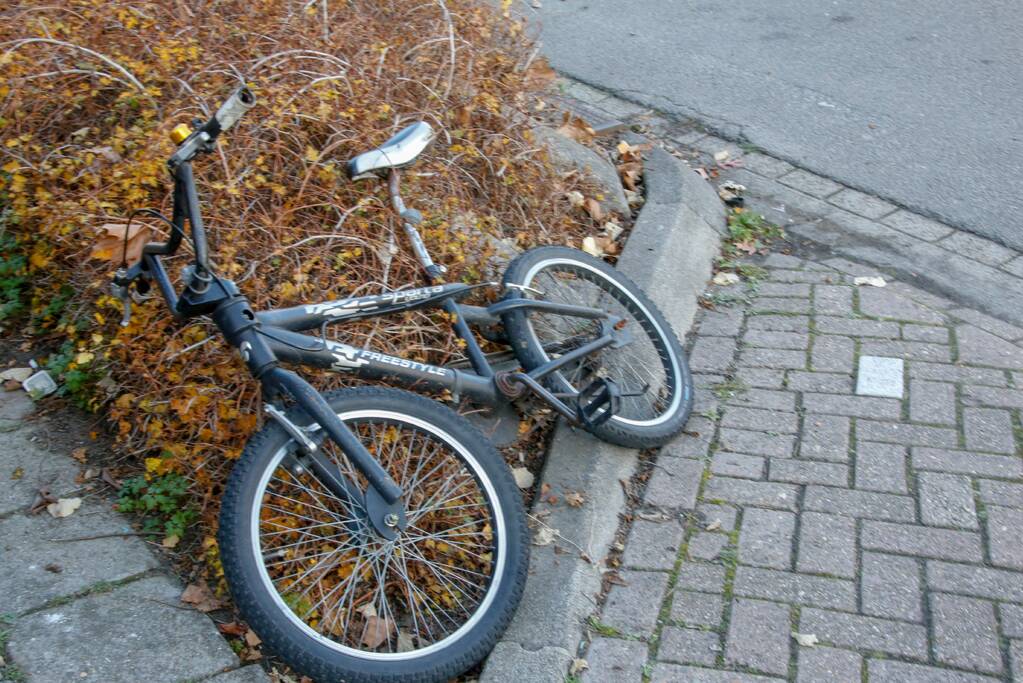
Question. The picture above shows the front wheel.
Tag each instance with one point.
(651, 369)
(340, 603)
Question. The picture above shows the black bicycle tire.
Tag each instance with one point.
(531, 354)
(298, 649)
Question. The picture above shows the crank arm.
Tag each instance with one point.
(556, 364)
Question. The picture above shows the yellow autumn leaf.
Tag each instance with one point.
(311, 155)
(153, 464)
(84, 358)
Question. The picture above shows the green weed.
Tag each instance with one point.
(162, 501)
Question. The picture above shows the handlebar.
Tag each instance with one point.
(202, 139)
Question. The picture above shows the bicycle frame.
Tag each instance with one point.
(264, 339)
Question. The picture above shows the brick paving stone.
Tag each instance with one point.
(884, 303)
(905, 434)
(779, 323)
(722, 516)
(977, 347)
(756, 443)
(932, 402)
(890, 587)
(832, 300)
(689, 646)
(632, 609)
(711, 354)
(697, 609)
(772, 304)
(867, 504)
(779, 359)
(808, 472)
(865, 205)
(737, 465)
(853, 406)
(825, 382)
(765, 538)
(904, 672)
(1005, 536)
(777, 340)
(697, 576)
(810, 183)
(653, 545)
(801, 290)
(726, 323)
(832, 354)
(907, 350)
(825, 437)
(1012, 620)
(674, 673)
(769, 167)
(800, 589)
(925, 333)
(880, 467)
(829, 664)
(917, 226)
(967, 463)
(614, 659)
(827, 545)
(988, 429)
(939, 544)
(706, 546)
(946, 500)
(765, 398)
(695, 442)
(762, 377)
(965, 633)
(758, 636)
(976, 248)
(988, 324)
(767, 494)
(760, 420)
(1016, 657)
(981, 582)
(1001, 493)
(992, 396)
(920, 296)
(857, 327)
(674, 483)
(811, 276)
(957, 373)
(880, 376)
(866, 633)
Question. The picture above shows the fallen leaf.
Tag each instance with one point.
(591, 247)
(54, 568)
(376, 631)
(593, 208)
(616, 579)
(11, 385)
(539, 75)
(405, 642)
(232, 628)
(18, 473)
(714, 526)
(872, 281)
(721, 156)
(575, 198)
(613, 230)
(747, 246)
(42, 500)
(64, 507)
(702, 172)
(110, 245)
(574, 499)
(545, 536)
(725, 279)
(576, 128)
(17, 374)
(805, 639)
(199, 596)
(171, 541)
(79, 454)
(252, 639)
(109, 479)
(578, 666)
(523, 477)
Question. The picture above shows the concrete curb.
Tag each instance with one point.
(669, 253)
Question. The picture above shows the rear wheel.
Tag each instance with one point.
(652, 365)
(337, 601)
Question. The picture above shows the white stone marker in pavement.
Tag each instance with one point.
(879, 376)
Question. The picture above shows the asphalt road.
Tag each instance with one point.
(918, 102)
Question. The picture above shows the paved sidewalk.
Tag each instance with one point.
(888, 529)
(98, 609)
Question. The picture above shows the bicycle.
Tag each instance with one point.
(372, 534)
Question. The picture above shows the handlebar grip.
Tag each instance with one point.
(236, 105)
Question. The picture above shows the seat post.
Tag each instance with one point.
(410, 219)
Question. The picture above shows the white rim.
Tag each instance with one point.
(676, 398)
(500, 531)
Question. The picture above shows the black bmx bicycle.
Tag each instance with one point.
(372, 534)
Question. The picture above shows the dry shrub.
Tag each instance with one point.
(90, 89)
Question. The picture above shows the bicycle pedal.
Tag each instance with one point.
(598, 402)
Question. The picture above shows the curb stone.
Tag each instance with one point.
(567, 152)
(669, 253)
